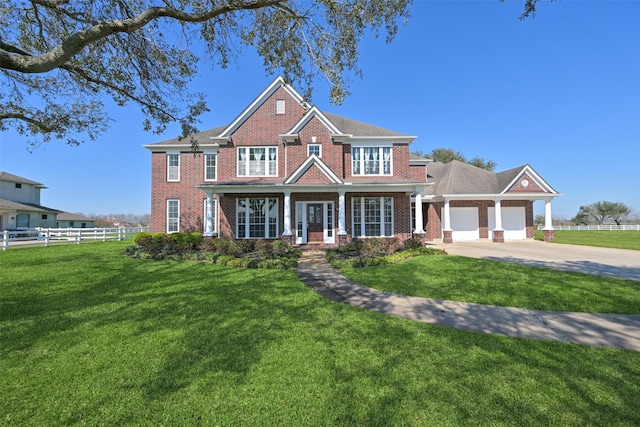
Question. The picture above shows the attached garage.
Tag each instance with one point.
(464, 223)
(513, 222)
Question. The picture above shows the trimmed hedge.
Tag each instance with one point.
(359, 255)
(193, 246)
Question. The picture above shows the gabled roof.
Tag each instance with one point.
(275, 85)
(307, 164)
(6, 176)
(459, 178)
(27, 207)
(342, 128)
(313, 112)
(202, 138)
(348, 126)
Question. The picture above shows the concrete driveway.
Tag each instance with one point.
(620, 263)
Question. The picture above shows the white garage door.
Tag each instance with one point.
(513, 222)
(464, 223)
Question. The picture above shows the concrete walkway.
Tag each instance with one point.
(606, 330)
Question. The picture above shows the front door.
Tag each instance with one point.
(315, 230)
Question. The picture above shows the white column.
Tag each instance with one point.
(287, 213)
(419, 229)
(498, 214)
(548, 223)
(342, 213)
(208, 218)
(447, 216)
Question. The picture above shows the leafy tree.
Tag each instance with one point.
(58, 59)
(446, 155)
(601, 212)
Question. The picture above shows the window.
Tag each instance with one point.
(371, 160)
(173, 216)
(22, 220)
(210, 169)
(213, 215)
(18, 185)
(314, 149)
(280, 106)
(173, 167)
(372, 216)
(257, 161)
(257, 217)
(44, 216)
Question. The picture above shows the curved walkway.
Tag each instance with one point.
(606, 330)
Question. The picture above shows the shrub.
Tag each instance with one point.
(413, 243)
(264, 249)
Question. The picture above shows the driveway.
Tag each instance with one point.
(620, 263)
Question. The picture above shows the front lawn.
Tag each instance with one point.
(91, 336)
(499, 283)
(600, 238)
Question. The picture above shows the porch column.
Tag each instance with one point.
(419, 228)
(287, 213)
(548, 231)
(447, 232)
(208, 220)
(498, 232)
(548, 223)
(342, 213)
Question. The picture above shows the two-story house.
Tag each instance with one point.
(283, 169)
(20, 204)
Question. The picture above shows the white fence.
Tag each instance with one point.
(47, 236)
(605, 227)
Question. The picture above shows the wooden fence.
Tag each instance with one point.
(47, 236)
(605, 227)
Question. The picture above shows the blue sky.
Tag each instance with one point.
(560, 92)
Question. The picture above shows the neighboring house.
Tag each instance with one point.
(20, 204)
(70, 220)
(286, 170)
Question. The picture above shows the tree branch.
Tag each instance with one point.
(9, 59)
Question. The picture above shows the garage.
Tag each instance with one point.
(464, 223)
(513, 222)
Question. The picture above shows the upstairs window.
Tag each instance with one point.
(371, 160)
(280, 106)
(18, 185)
(257, 161)
(210, 167)
(173, 167)
(314, 149)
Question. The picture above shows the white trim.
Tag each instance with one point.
(313, 112)
(167, 216)
(380, 160)
(169, 179)
(362, 233)
(301, 216)
(270, 90)
(247, 149)
(314, 144)
(528, 170)
(313, 160)
(204, 161)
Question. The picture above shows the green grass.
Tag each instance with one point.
(499, 283)
(89, 336)
(604, 239)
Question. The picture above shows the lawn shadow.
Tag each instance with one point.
(576, 266)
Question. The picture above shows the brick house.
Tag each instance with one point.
(286, 170)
